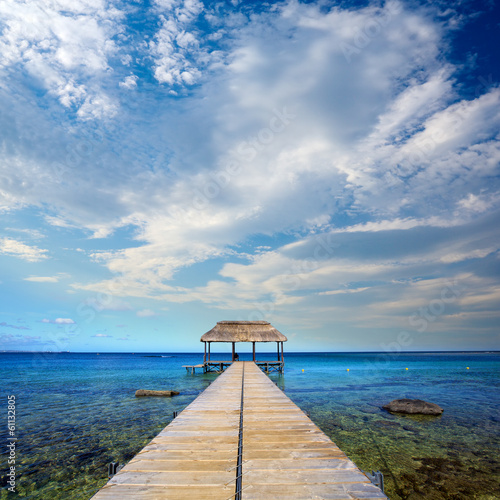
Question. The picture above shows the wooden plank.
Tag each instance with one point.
(196, 446)
(193, 464)
(309, 491)
(303, 475)
(304, 454)
(134, 492)
(298, 464)
(190, 454)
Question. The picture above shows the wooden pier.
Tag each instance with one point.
(220, 366)
(242, 438)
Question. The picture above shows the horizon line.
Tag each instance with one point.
(5, 351)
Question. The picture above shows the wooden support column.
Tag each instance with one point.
(282, 352)
(253, 348)
(209, 352)
(205, 355)
(233, 352)
(278, 346)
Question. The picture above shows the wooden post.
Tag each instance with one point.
(209, 352)
(205, 355)
(282, 352)
(278, 346)
(233, 353)
(253, 351)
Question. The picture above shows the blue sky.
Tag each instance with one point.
(331, 167)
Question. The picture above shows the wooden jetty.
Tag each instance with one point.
(242, 438)
(243, 331)
(220, 366)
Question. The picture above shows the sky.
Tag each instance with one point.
(329, 167)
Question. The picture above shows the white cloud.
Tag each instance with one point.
(59, 321)
(43, 279)
(130, 82)
(474, 203)
(377, 149)
(47, 279)
(15, 248)
(58, 221)
(145, 313)
(62, 44)
(176, 50)
(358, 141)
(97, 107)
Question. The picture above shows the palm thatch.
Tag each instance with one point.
(243, 331)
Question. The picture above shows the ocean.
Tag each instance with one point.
(76, 412)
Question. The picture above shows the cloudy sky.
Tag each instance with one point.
(331, 167)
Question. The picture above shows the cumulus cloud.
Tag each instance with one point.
(59, 321)
(291, 123)
(15, 248)
(176, 46)
(130, 82)
(62, 45)
(367, 134)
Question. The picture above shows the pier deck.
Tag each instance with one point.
(242, 438)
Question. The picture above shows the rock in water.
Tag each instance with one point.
(146, 392)
(413, 406)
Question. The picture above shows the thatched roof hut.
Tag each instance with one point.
(243, 331)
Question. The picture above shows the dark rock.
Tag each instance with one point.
(413, 406)
(146, 392)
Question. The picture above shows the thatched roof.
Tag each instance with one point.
(243, 331)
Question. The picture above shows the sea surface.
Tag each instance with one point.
(76, 413)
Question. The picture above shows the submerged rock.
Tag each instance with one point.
(413, 406)
(146, 392)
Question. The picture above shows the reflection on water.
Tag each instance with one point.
(77, 413)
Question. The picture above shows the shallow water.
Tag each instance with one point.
(77, 412)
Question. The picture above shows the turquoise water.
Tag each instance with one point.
(75, 413)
